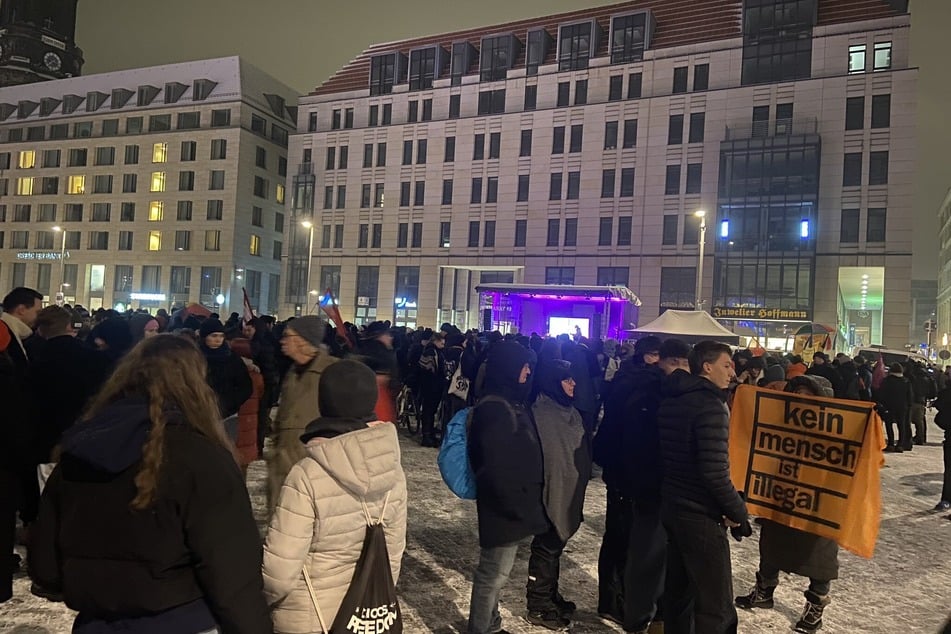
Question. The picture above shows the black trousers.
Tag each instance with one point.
(904, 432)
(613, 556)
(699, 591)
(646, 568)
(544, 567)
(946, 491)
(9, 493)
(429, 403)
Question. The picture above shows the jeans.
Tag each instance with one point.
(544, 566)
(613, 555)
(698, 596)
(770, 579)
(918, 420)
(904, 432)
(646, 568)
(495, 565)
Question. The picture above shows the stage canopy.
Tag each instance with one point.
(552, 309)
(690, 325)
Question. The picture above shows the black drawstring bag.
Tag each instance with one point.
(370, 605)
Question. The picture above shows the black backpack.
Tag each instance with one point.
(370, 604)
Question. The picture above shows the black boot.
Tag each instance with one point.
(811, 619)
(549, 619)
(760, 597)
(565, 607)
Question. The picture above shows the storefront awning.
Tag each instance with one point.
(563, 291)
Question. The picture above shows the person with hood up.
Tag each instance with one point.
(699, 502)
(796, 367)
(302, 342)
(782, 548)
(567, 468)
(227, 374)
(506, 458)
(352, 463)
(822, 367)
(142, 325)
(145, 524)
(113, 337)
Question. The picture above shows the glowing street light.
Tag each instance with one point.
(702, 214)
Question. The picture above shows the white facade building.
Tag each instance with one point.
(576, 149)
(161, 186)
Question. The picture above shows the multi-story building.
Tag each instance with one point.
(577, 149)
(147, 187)
(942, 338)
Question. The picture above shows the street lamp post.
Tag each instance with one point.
(698, 302)
(62, 261)
(310, 259)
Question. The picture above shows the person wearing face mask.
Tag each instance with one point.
(567, 468)
(227, 374)
(506, 459)
(698, 499)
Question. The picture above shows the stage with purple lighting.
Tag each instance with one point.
(555, 309)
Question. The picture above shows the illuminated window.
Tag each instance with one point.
(158, 182)
(159, 152)
(156, 210)
(212, 240)
(25, 186)
(279, 193)
(155, 240)
(255, 245)
(27, 159)
(76, 185)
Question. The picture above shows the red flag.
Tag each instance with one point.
(329, 305)
(248, 311)
(878, 373)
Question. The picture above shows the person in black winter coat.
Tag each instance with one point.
(850, 377)
(264, 354)
(227, 374)
(145, 525)
(923, 390)
(645, 562)
(896, 396)
(821, 367)
(609, 455)
(699, 502)
(506, 458)
(64, 376)
(432, 386)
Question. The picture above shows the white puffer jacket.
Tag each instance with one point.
(319, 522)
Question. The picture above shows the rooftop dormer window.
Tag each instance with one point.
(385, 71)
(498, 56)
(630, 37)
(577, 44)
(425, 65)
(539, 43)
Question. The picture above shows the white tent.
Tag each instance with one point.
(690, 325)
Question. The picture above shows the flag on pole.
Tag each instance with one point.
(329, 305)
(248, 311)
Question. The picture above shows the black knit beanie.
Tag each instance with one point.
(347, 398)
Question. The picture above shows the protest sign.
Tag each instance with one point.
(810, 463)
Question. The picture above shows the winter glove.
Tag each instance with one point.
(741, 531)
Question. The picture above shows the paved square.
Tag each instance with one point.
(905, 588)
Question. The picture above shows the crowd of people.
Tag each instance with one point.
(141, 428)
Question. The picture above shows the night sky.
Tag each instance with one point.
(302, 42)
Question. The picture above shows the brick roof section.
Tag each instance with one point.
(679, 23)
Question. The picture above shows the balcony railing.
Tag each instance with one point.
(774, 128)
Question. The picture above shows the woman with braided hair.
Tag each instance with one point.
(145, 524)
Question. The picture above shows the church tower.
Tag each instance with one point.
(37, 41)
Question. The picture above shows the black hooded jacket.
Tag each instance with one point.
(694, 425)
(505, 453)
(197, 544)
(630, 446)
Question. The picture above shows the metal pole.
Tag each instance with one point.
(62, 265)
(310, 263)
(703, 238)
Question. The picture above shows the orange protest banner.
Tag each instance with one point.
(810, 463)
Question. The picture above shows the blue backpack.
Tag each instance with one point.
(453, 457)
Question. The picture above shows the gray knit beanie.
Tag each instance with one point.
(310, 327)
